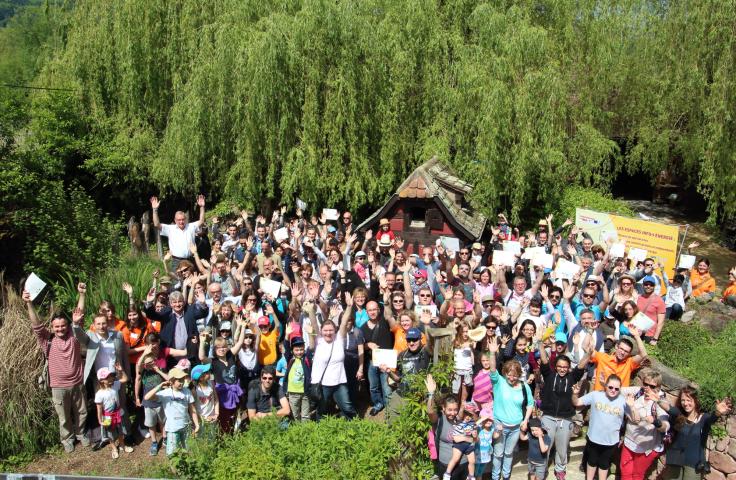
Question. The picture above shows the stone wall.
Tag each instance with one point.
(721, 453)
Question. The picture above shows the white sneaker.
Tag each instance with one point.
(115, 453)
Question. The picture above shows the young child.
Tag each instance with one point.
(109, 411)
(297, 370)
(483, 390)
(281, 365)
(484, 446)
(205, 397)
(464, 436)
(148, 375)
(674, 301)
(178, 405)
(463, 354)
(539, 443)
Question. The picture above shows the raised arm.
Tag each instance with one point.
(346, 315)
(154, 207)
(82, 289)
(431, 389)
(200, 202)
(32, 315)
(638, 358)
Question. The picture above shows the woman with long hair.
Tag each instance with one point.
(685, 457)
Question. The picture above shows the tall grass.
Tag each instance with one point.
(27, 420)
(107, 284)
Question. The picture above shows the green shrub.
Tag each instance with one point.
(581, 197)
(706, 359)
(330, 449)
(107, 284)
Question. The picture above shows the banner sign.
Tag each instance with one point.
(659, 240)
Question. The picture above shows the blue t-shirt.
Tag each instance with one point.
(507, 401)
(606, 417)
(535, 450)
(281, 368)
(484, 447)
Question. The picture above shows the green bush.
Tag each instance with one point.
(107, 284)
(580, 197)
(330, 449)
(706, 359)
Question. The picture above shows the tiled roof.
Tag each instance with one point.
(432, 179)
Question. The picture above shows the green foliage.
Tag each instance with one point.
(579, 197)
(107, 284)
(694, 353)
(412, 425)
(329, 449)
(335, 102)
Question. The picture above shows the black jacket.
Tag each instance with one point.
(557, 391)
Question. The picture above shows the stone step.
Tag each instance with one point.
(520, 468)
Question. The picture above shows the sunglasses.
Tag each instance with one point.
(398, 300)
(555, 296)
(425, 295)
(464, 253)
(626, 283)
(267, 379)
(648, 284)
(588, 295)
(413, 340)
(651, 385)
(613, 389)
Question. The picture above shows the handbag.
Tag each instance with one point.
(315, 389)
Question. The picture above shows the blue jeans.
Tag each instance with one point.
(341, 396)
(380, 391)
(503, 451)
(674, 312)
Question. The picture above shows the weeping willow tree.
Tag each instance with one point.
(336, 101)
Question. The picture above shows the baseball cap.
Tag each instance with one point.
(360, 253)
(199, 370)
(486, 298)
(413, 334)
(649, 279)
(331, 229)
(177, 373)
(103, 373)
(420, 274)
(560, 337)
(476, 246)
(248, 331)
(296, 341)
(226, 325)
(470, 407)
(263, 321)
(165, 279)
(183, 364)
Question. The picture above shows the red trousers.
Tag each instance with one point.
(634, 466)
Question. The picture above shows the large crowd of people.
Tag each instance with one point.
(300, 318)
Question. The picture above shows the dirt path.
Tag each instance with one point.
(99, 464)
(721, 258)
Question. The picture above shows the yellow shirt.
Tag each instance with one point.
(268, 351)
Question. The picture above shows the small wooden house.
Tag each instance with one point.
(430, 204)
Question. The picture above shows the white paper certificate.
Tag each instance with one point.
(34, 285)
(384, 356)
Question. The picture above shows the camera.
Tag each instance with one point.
(703, 467)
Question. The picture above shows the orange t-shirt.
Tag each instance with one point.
(607, 365)
(268, 351)
(134, 337)
(400, 339)
(730, 290)
(701, 283)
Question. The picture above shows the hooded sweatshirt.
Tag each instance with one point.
(557, 391)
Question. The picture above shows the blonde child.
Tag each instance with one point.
(463, 355)
(109, 411)
(178, 404)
